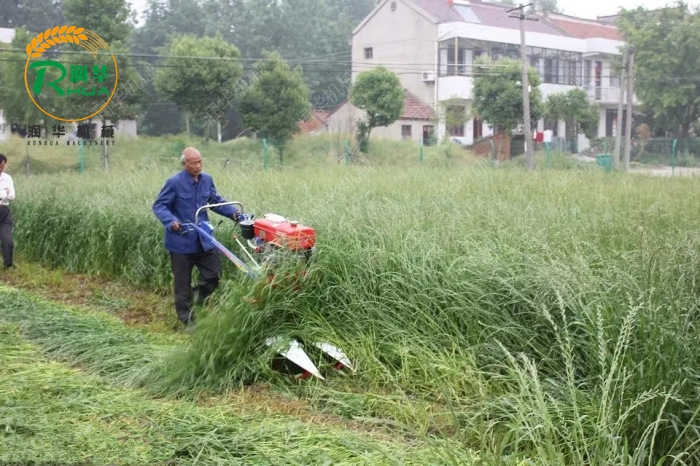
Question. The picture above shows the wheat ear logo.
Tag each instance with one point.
(71, 85)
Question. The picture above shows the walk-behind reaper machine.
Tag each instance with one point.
(267, 242)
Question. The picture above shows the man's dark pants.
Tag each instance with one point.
(209, 268)
(8, 245)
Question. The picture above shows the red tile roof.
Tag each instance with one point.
(584, 29)
(416, 109)
(609, 19)
(488, 14)
(495, 14)
(413, 108)
(440, 10)
(317, 121)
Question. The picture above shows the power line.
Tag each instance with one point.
(417, 68)
(249, 60)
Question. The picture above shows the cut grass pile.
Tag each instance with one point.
(547, 316)
(51, 413)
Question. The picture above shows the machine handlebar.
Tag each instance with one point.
(210, 206)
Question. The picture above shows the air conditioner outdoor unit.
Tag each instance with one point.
(428, 76)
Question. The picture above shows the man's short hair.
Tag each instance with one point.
(3, 159)
(183, 157)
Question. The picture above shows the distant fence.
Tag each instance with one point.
(244, 153)
(674, 152)
(33, 157)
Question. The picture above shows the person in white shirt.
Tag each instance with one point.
(7, 194)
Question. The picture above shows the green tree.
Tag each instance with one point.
(107, 18)
(573, 107)
(167, 20)
(34, 15)
(454, 112)
(313, 33)
(132, 91)
(277, 100)
(111, 21)
(546, 5)
(379, 93)
(197, 74)
(16, 105)
(666, 62)
(498, 93)
(164, 21)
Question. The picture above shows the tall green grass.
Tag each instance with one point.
(548, 317)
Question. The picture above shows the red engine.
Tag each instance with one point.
(283, 233)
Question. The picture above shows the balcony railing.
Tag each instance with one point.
(603, 94)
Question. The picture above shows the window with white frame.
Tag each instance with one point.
(456, 58)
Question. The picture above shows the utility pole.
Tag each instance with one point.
(630, 97)
(620, 100)
(526, 84)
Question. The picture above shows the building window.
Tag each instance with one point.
(551, 70)
(598, 79)
(614, 76)
(587, 74)
(368, 53)
(456, 58)
(406, 131)
(611, 122)
(455, 117)
(478, 131)
(428, 135)
(456, 130)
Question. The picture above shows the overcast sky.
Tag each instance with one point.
(580, 8)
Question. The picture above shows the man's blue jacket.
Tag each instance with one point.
(178, 201)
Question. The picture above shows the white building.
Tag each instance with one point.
(432, 45)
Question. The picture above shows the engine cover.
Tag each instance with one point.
(284, 233)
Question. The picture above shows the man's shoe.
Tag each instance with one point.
(184, 326)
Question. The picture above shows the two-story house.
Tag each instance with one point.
(432, 44)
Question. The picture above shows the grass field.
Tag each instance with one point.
(513, 317)
(242, 153)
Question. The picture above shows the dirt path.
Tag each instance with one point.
(664, 170)
(656, 170)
